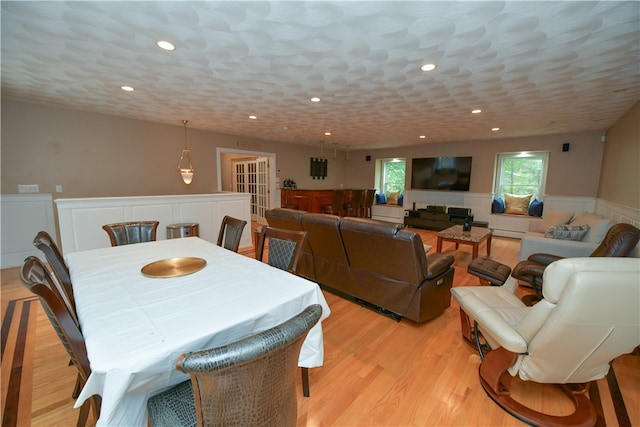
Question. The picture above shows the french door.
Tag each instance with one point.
(252, 176)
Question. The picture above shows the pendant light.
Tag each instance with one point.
(185, 172)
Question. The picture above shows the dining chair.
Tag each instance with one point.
(126, 233)
(336, 206)
(355, 207)
(284, 247)
(231, 233)
(37, 279)
(369, 198)
(45, 243)
(250, 382)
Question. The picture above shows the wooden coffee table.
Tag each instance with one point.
(474, 237)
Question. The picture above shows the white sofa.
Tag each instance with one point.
(534, 240)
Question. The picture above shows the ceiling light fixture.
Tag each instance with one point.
(253, 117)
(422, 136)
(327, 133)
(185, 172)
(163, 44)
(127, 88)
(495, 129)
(315, 99)
(428, 67)
(476, 111)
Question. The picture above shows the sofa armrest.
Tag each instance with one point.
(532, 243)
(438, 264)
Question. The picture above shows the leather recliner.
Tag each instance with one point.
(587, 318)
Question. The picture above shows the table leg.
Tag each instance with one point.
(439, 244)
(465, 327)
(475, 251)
(489, 245)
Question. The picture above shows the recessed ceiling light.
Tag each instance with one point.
(327, 133)
(315, 99)
(428, 67)
(253, 117)
(127, 88)
(495, 129)
(163, 44)
(422, 136)
(476, 111)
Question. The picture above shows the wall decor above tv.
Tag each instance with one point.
(441, 173)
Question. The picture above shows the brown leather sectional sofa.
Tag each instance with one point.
(376, 262)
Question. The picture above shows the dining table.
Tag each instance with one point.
(141, 306)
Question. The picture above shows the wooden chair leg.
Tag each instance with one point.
(78, 387)
(496, 363)
(305, 382)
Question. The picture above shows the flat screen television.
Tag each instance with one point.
(441, 173)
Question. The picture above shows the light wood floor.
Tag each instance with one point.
(377, 372)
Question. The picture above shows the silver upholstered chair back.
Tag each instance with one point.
(284, 247)
(231, 232)
(126, 233)
(248, 383)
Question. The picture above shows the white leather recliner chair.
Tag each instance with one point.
(590, 315)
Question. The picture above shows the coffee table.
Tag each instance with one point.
(474, 237)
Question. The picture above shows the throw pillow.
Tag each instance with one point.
(516, 205)
(567, 232)
(598, 226)
(497, 206)
(554, 218)
(392, 197)
(535, 208)
(381, 199)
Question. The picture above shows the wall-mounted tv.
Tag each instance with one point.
(441, 173)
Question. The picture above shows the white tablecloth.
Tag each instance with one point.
(136, 327)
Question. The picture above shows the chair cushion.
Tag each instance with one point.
(489, 270)
(175, 407)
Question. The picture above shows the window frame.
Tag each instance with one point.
(539, 192)
(382, 182)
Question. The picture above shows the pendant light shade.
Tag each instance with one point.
(185, 171)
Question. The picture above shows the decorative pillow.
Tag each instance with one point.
(381, 199)
(554, 218)
(567, 232)
(497, 206)
(401, 199)
(392, 197)
(598, 226)
(516, 205)
(535, 208)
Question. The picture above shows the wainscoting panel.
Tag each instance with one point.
(81, 220)
(23, 216)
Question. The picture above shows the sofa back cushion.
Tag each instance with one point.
(598, 226)
(329, 257)
(385, 249)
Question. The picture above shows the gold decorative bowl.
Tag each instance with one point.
(173, 267)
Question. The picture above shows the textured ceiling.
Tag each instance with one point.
(532, 67)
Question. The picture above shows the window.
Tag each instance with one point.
(521, 174)
(390, 175)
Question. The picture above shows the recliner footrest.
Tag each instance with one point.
(491, 271)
